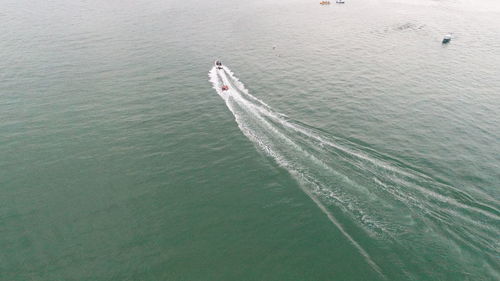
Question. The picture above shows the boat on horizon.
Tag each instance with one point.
(447, 38)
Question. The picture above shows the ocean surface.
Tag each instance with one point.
(351, 144)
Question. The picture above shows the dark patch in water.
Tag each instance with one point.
(409, 26)
(403, 27)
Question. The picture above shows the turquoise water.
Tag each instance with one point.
(359, 148)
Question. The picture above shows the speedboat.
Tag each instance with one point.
(447, 39)
(218, 64)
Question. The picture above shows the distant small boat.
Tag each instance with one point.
(340, 2)
(447, 38)
(324, 3)
(218, 64)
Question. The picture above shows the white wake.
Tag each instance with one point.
(381, 196)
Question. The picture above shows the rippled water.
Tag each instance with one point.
(358, 148)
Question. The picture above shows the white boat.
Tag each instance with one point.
(340, 2)
(447, 38)
(218, 64)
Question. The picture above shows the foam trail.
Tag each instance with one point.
(382, 196)
(265, 110)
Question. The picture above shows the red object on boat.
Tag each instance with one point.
(225, 88)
